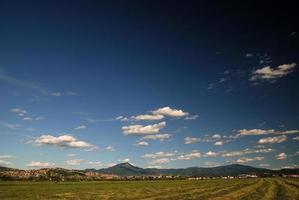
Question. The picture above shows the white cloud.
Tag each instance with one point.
(155, 166)
(18, 110)
(255, 132)
(81, 127)
(95, 163)
(264, 165)
(167, 111)
(269, 73)
(27, 119)
(74, 162)
(288, 132)
(160, 161)
(218, 143)
(142, 143)
(62, 141)
(191, 140)
(272, 140)
(110, 148)
(6, 157)
(124, 160)
(141, 130)
(159, 154)
(147, 117)
(10, 126)
(296, 138)
(245, 152)
(4, 163)
(190, 156)
(192, 117)
(249, 55)
(216, 136)
(281, 156)
(211, 154)
(245, 160)
(39, 164)
(160, 137)
(70, 155)
(56, 94)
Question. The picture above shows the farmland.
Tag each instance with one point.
(267, 188)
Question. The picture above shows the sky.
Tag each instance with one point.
(166, 84)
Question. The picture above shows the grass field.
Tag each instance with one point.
(271, 188)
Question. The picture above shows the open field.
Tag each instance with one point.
(268, 188)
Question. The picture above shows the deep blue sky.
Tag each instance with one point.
(70, 64)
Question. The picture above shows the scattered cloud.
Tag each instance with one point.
(191, 117)
(218, 143)
(281, 156)
(124, 160)
(255, 132)
(268, 73)
(244, 152)
(142, 143)
(4, 162)
(110, 148)
(159, 154)
(147, 117)
(245, 160)
(95, 163)
(19, 111)
(74, 162)
(161, 137)
(190, 156)
(211, 154)
(191, 140)
(296, 138)
(7, 156)
(61, 141)
(70, 155)
(38, 164)
(249, 55)
(81, 127)
(272, 140)
(159, 161)
(10, 126)
(59, 94)
(142, 130)
(167, 111)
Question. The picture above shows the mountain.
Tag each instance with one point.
(127, 169)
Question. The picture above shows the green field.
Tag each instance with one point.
(271, 188)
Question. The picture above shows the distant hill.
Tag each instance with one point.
(127, 169)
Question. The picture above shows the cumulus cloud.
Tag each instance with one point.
(142, 130)
(95, 163)
(142, 143)
(218, 143)
(255, 132)
(74, 162)
(4, 162)
(296, 138)
(62, 141)
(124, 160)
(39, 164)
(159, 154)
(191, 140)
(19, 111)
(245, 132)
(268, 73)
(167, 111)
(190, 156)
(245, 152)
(147, 117)
(160, 137)
(110, 148)
(159, 161)
(281, 156)
(211, 154)
(272, 140)
(245, 160)
(192, 117)
(81, 127)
